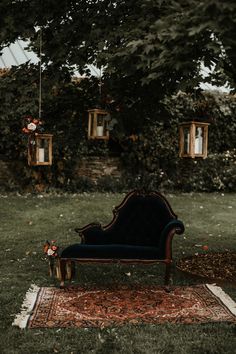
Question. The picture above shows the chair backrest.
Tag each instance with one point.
(140, 219)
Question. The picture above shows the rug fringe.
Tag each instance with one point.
(225, 298)
(21, 319)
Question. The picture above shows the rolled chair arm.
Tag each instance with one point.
(92, 234)
(174, 226)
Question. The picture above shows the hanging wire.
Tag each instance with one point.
(40, 73)
(100, 84)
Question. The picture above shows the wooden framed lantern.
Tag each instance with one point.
(98, 120)
(193, 139)
(40, 149)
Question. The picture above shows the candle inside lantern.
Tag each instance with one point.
(99, 130)
(41, 155)
(198, 141)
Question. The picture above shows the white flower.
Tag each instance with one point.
(50, 252)
(31, 126)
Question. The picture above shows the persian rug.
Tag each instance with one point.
(51, 307)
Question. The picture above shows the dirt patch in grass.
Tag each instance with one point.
(214, 266)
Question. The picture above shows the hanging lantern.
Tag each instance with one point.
(39, 144)
(98, 121)
(193, 139)
(40, 149)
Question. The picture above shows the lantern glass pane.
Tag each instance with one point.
(186, 140)
(91, 124)
(43, 150)
(100, 119)
(199, 141)
(100, 125)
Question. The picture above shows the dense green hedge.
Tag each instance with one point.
(149, 153)
(155, 154)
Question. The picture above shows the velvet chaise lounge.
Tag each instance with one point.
(141, 231)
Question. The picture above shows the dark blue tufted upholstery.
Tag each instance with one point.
(142, 221)
(111, 251)
(141, 230)
(139, 222)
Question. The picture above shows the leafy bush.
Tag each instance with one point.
(147, 143)
(154, 154)
(218, 109)
(216, 173)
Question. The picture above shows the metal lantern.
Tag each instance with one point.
(98, 120)
(40, 149)
(193, 139)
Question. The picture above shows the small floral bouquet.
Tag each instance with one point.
(51, 250)
(32, 125)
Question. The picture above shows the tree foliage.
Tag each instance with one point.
(151, 152)
(147, 50)
(142, 40)
(201, 30)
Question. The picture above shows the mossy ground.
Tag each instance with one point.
(27, 221)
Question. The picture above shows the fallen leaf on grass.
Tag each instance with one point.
(220, 266)
(128, 274)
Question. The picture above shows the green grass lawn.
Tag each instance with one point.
(27, 221)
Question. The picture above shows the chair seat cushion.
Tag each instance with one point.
(113, 251)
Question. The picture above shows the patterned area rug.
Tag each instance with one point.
(100, 307)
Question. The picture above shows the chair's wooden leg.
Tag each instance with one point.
(51, 267)
(167, 277)
(167, 273)
(58, 270)
(68, 270)
(73, 270)
(63, 273)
